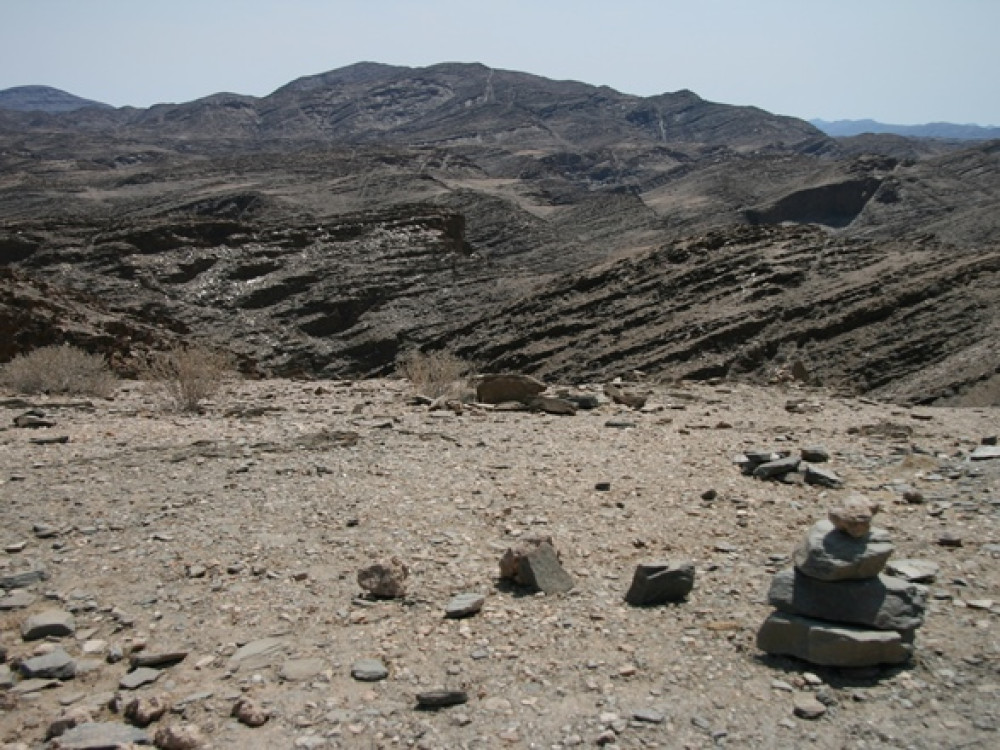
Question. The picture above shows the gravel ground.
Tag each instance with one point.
(200, 534)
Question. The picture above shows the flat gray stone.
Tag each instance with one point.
(915, 571)
(139, 677)
(34, 685)
(884, 602)
(552, 405)
(51, 622)
(55, 665)
(259, 654)
(159, 659)
(100, 736)
(831, 555)
(441, 698)
(296, 670)
(831, 645)
(660, 582)
(822, 477)
(6, 677)
(540, 569)
(779, 468)
(816, 454)
(17, 599)
(23, 579)
(649, 716)
(369, 670)
(464, 605)
(985, 452)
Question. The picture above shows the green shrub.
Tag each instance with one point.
(433, 373)
(190, 374)
(59, 369)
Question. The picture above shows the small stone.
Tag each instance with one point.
(815, 454)
(806, 706)
(55, 665)
(17, 599)
(709, 495)
(441, 698)
(250, 713)
(540, 569)
(853, 515)
(179, 737)
(23, 579)
(550, 405)
(34, 685)
(100, 735)
(649, 716)
(464, 605)
(979, 603)
(915, 571)
(985, 453)
(6, 677)
(139, 677)
(603, 486)
(157, 659)
(822, 477)
(15, 547)
(144, 711)
(52, 622)
(44, 531)
(67, 719)
(774, 469)
(385, 579)
(297, 670)
(913, 497)
(369, 670)
(660, 582)
(258, 654)
(625, 398)
(949, 539)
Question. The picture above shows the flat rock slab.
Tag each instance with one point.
(441, 698)
(464, 605)
(18, 599)
(822, 477)
(23, 579)
(259, 654)
(832, 555)
(885, 602)
(295, 670)
(139, 677)
(915, 571)
(55, 665)
(985, 452)
(778, 468)
(51, 622)
(540, 569)
(100, 736)
(660, 582)
(829, 644)
(157, 658)
(369, 670)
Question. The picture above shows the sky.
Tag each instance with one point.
(896, 61)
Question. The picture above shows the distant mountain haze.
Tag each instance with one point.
(948, 130)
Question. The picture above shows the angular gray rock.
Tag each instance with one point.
(18, 599)
(660, 582)
(51, 622)
(778, 468)
(139, 677)
(441, 698)
(498, 389)
(100, 736)
(822, 477)
(23, 579)
(55, 665)
(831, 555)
(816, 454)
(915, 571)
(464, 605)
(258, 654)
(884, 602)
(832, 645)
(369, 670)
(296, 670)
(540, 569)
(550, 405)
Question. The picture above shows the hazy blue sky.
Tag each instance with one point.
(900, 61)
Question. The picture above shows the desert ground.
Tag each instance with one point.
(233, 538)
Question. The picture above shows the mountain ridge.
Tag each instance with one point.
(943, 130)
(44, 99)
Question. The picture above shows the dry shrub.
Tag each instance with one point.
(433, 373)
(189, 374)
(59, 369)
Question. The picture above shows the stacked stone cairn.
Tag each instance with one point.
(836, 607)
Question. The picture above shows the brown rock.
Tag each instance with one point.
(69, 718)
(510, 563)
(385, 579)
(250, 712)
(144, 711)
(179, 737)
(497, 389)
(619, 396)
(853, 515)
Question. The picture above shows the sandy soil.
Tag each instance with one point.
(202, 533)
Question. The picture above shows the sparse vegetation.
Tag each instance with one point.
(189, 374)
(59, 369)
(433, 373)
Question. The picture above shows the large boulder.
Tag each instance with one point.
(499, 389)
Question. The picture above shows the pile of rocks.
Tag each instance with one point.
(836, 607)
(784, 466)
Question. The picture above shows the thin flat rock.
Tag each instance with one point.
(985, 452)
(100, 736)
(157, 659)
(18, 599)
(51, 622)
(441, 698)
(139, 677)
(369, 670)
(464, 605)
(258, 654)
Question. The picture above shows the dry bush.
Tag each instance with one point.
(59, 369)
(433, 373)
(189, 374)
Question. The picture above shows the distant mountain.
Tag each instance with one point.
(44, 99)
(947, 130)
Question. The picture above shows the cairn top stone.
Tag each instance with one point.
(853, 515)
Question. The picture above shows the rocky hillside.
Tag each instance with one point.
(44, 99)
(553, 226)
